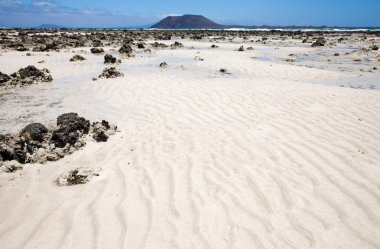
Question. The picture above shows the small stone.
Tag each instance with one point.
(77, 57)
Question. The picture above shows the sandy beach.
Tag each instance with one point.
(279, 150)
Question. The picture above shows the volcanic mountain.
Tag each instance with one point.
(187, 22)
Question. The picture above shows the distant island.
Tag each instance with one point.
(187, 22)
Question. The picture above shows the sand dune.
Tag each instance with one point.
(259, 158)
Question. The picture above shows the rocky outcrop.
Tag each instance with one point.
(25, 76)
(126, 49)
(111, 72)
(38, 144)
(320, 42)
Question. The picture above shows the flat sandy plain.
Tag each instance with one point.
(274, 153)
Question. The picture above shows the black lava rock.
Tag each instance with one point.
(35, 131)
(73, 120)
(19, 155)
(100, 137)
(30, 71)
(126, 49)
(97, 50)
(64, 135)
(320, 42)
(70, 124)
(109, 59)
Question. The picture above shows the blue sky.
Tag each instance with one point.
(121, 13)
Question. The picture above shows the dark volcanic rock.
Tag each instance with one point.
(19, 155)
(35, 131)
(4, 78)
(163, 64)
(30, 71)
(126, 49)
(97, 50)
(140, 46)
(241, 49)
(73, 120)
(109, 59)
(63, 136)
(111, 72)
(99, 130)
(71, 127)
(29, 75)
(77, 57)
(320, 42)
(100, 137)
(159, 45)
(176, 45)
(35, 143)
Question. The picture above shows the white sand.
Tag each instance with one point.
(260, 158)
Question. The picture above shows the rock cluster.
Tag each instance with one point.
(25, 76)
(38, 144)
(320, 42)
(176, 45)
(126, 49)
(111, 72)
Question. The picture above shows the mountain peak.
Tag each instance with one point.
(187, 21)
